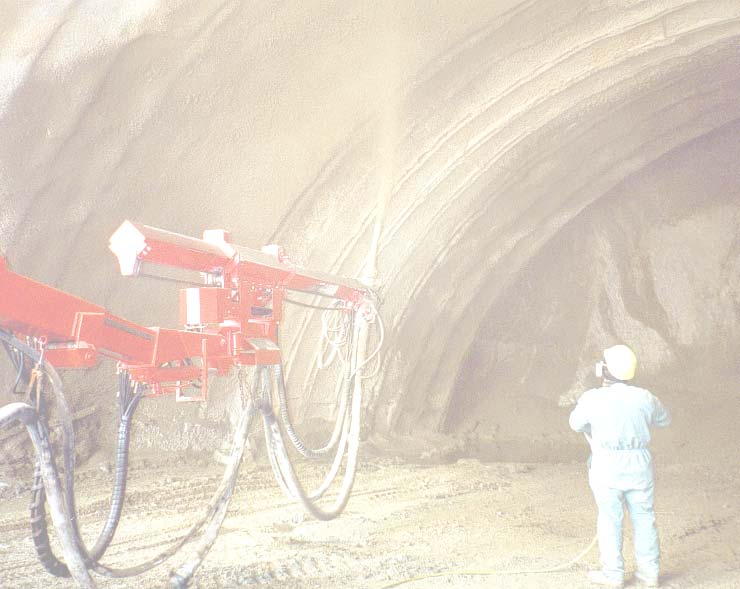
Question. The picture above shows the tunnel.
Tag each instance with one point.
(540, 179)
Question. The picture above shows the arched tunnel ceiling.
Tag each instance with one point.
(481, 129)
(654, 262)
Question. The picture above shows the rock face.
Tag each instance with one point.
(655, 264)
(550, 177)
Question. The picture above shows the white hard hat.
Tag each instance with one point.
(620, 362)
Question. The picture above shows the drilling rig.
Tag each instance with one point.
(231, 313)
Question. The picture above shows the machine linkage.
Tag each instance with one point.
(231, 320)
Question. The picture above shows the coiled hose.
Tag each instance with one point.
(343, 419)
(181, 576)
(213, 513)
(340, 432)
(65, 419)
(17, 359)
(345, 384)
(298, 443)
(61, 502)
(40, 437)
(128, 397)
(280, 460)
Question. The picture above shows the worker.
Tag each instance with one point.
(616, 419)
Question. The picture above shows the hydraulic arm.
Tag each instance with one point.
(230, 313)
(232, 319)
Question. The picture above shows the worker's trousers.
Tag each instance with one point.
(639, 502)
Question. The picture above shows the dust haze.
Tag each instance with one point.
(526, 183)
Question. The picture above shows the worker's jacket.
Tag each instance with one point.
(617, 418)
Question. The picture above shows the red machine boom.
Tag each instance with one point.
(231, 320)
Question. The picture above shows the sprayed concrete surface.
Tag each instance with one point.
(481, 133)
(551, 177)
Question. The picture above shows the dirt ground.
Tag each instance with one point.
(404, 520)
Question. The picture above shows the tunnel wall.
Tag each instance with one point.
(654, 263)
(479, 130)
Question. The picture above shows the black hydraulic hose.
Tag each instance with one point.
(39, 530)
(277, 448)
(38, 512)
(264, 398)
(340, 435)
(65, 418)
(284, 472)
(222, 493)
(129, 398)
(214, 512)
(216, 503)
(17, 359)
(181, 576)
(40, 437)
(298, 443)
(343, 422)
(12, 356)
(310, 306)
(119, 486)
(61, 502)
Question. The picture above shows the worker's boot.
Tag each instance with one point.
(646, 580)
(599, 578)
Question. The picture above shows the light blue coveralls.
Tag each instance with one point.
(618, 418)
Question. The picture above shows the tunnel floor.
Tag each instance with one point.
(404, 520)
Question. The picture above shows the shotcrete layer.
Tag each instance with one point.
(482, 131)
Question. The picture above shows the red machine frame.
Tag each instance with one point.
(231, 320)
